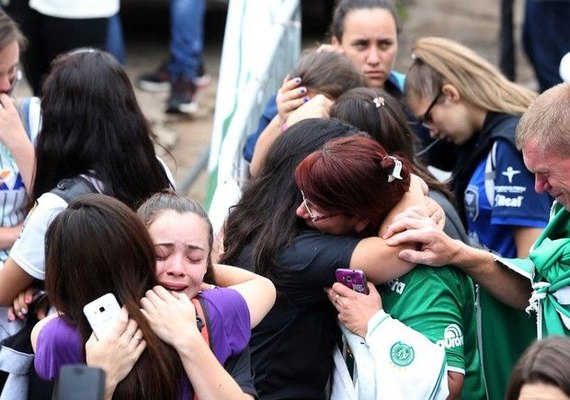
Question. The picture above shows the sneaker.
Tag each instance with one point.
(203, 79)
(160, 80)
(157, 81)
(182, 97)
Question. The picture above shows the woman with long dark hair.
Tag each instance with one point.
(98, 246)
(93, 128)
(292, 347)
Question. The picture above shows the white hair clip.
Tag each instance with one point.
(397, 171)
(378, 101)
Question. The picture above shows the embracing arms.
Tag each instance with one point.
(375, 257)
(258, 292)
(438, 249)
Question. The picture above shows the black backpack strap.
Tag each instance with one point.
(69, 189)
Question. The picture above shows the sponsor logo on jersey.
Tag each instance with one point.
(452, 337)
(396, 286)
(510, 172)
(402, 354)
(510, 189)
(504, 201)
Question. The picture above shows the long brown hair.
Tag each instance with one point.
(380, 115)
(92, 124)
(327, 72)
(10, 32)
(438, 61)
(265, 216)
(97, 245)
(545, 361)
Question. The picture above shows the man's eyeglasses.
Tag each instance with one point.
(313, 216)
(426, 119)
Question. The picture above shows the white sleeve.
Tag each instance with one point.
(403, 355)
(28, 250)
(168, 172)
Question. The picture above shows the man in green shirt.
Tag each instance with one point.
(541, 282)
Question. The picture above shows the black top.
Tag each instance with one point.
(292, 347)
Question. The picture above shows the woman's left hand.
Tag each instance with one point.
(171, 316)
(117, 352)
(355, 309)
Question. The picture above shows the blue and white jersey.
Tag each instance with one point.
(13, 193)
(515, 202)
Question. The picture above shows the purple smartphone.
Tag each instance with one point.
(354, 279)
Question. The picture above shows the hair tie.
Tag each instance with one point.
(397, 171)
(378, 101)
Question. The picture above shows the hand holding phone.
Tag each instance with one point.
(102, 313)
(354, 279)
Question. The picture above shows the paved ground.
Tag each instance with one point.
(474, 23)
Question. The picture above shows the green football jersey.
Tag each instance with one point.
(439, 303)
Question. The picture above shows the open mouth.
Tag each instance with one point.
(174, 287)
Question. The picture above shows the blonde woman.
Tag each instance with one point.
(462, 98)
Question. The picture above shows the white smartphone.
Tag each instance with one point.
(102, 313)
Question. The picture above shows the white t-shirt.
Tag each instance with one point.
(76, 9)
(29, 250)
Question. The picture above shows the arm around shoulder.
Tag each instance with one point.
(380, 261)
(258, 292)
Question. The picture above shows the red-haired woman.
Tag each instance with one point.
(292, 348)
(355, 179)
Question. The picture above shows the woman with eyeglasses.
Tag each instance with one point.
(463, 99)
(292, 348)
(437, 302)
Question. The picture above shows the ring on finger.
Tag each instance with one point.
(137, 338)
(130, 332)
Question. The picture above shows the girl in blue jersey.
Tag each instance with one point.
(463, 99)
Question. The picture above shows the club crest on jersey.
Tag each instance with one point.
(471, 201)
(402, 354)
